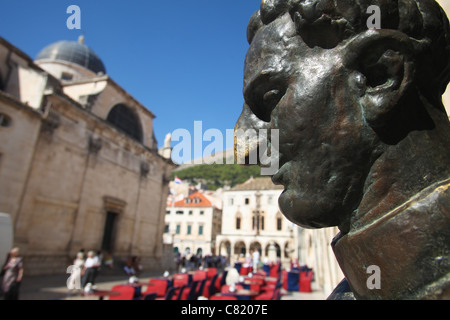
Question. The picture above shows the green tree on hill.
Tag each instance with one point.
(216, 176)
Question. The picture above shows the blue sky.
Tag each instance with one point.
(183, 60)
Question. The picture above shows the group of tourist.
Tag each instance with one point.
(133, 266)
(191, 262)
(88, 266)
(252, 259)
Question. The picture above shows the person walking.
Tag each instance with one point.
(256, 260)
(13, 275)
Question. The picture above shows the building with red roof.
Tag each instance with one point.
(193, 223)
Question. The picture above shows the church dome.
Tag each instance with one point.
(73, 52)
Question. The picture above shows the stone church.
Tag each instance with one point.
(79, 165)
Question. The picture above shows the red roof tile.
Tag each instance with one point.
(196, 199)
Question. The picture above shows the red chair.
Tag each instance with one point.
(209, 289)
(245, 271)
(255, 280)
(220, 297)
(180, 279)
(126, 292)
(211, 272)
(180, 292)
(158, 286)
(271, 284)
(184, 295)
(274, 294)
(255, 287)
(193, 290)
(278, 294)
(305, 281)
(200, 275)
(169, 295)
(260, 274)
(217, 283)
(275, 270)
(284, 277)
(149, 296)
(206, 289)
(266, 295)
(255, 283)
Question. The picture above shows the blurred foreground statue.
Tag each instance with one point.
(364, 139)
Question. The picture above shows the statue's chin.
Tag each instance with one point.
(305, 213)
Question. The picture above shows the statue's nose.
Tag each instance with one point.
(246, 137)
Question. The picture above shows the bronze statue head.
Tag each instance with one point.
(361, 120)
(363, 135)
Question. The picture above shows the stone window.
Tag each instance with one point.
(258, 220)
(279, 222)
(65, 76)
(124, 119)
(238, 222)
(5, 121)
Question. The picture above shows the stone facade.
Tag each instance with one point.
(315, 251)
(70, 177)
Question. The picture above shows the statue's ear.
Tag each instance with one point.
(382, 71)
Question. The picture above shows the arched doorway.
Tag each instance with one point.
(276, 248)
(255, 246)
(239, 248)
(225, 248)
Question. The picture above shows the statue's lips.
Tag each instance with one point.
(279, 177)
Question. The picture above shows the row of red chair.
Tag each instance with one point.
(185, 286)
(271, 270)
(205, 283)
(297, 280)
(268, 289)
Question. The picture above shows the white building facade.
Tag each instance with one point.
(251, 220)
(192, 224)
